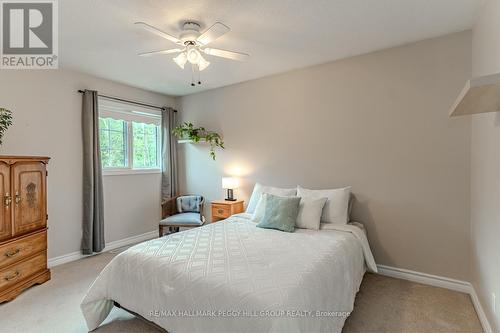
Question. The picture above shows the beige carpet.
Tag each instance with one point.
(382, 305)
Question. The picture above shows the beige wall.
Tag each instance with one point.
(378, 122)
(485, 170)
(47, 121)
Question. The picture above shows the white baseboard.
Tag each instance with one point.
(442, 282)
(480, 312)
(424, 278)
(109, 246)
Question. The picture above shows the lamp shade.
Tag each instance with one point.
(230, 183)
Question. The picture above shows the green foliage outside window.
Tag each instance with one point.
(145, 145)
(116, 135)
(112, 137)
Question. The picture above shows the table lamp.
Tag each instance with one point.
(230, 184)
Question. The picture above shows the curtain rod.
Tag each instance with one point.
(129, 101)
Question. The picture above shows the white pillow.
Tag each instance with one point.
(259, 189)
(310, 211)
(260, 209)
(336, 209)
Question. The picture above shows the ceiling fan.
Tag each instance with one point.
(192, 43)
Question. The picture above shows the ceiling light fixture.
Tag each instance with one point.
(193, 55)
(202, 63)
(181, 59)
(192, 44)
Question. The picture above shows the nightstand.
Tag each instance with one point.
(222, 209)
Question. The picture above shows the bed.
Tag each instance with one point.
(231, 276)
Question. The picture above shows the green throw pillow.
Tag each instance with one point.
(281, 213)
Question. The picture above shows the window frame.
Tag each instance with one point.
(129, 114)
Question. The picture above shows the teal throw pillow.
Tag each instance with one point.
(280, 213)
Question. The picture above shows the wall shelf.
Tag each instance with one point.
(202, 141)
(480, 95)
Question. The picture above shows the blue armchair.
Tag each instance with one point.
(183, 211)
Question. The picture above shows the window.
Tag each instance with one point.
(146, 145)
(129, 138)
(113, 140)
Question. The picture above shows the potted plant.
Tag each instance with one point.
(5, 122)
(187, 131)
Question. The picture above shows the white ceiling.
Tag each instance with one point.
(99, 37)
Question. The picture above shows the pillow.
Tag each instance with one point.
(260, 209)
(310, 211)
(351, 204)
(259, 189)
(189, 203)
(336, 207)
(280, 213)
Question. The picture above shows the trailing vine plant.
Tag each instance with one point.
(187, 131)
(5, 121)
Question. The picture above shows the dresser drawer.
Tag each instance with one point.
(223, 211)
(22, 248)
(13, 274)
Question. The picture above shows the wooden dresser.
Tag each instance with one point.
(23, 224)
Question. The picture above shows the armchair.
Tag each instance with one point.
(182, 211)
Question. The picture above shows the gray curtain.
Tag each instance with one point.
(169, 181)
(93, 205)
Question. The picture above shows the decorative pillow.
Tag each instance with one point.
(259, 189)
(260, 209)
(189, 203)
(310, 210)
(336, 207)
(281, 213)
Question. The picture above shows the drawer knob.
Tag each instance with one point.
(12, 277)
(12, 254)
(220, 211)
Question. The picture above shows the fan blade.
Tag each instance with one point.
(147, 54)
(226, 54)
(158, 32)
(214, 32)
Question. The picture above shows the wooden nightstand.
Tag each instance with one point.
(222, 209)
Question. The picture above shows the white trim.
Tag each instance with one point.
(127, 171)
(52, 262)
(130, 115)
(441, 282)
(480, 312)
(109, 106)
(424, 278)
(65, 258)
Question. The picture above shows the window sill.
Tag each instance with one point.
(125, 172)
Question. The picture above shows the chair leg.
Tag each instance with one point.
(172, 230)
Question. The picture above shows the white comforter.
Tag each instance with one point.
(231, 276)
